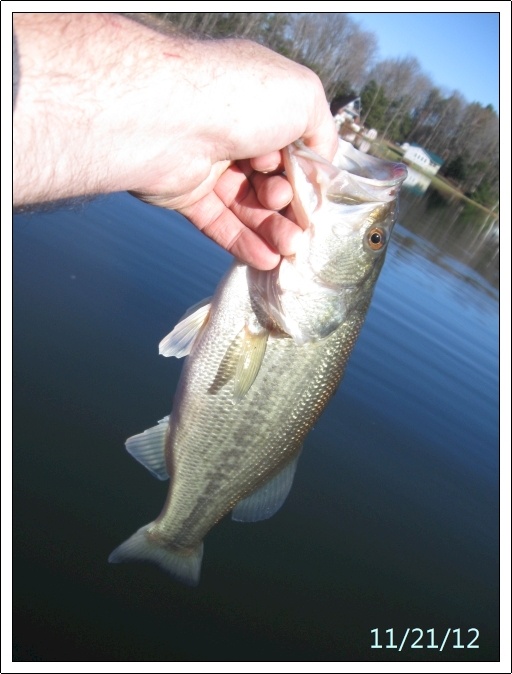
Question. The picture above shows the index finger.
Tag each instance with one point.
(323, 137)
(324, 142)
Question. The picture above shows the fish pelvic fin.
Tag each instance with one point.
(268, 499)
(180, 340)
(148, 448)
(184, 566)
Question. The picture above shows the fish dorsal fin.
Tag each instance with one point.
(249, 361)
(268, 499)
(148, 448)
(179, 341)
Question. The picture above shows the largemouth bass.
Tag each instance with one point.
(265, 354)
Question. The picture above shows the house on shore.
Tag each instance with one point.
(424, 159)
(346, 111)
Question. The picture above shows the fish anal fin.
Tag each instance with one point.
(179, 341)
(267, 499)
(148, 448)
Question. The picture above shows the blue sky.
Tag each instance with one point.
(457, 50)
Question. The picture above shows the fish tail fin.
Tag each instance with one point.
(185, 566)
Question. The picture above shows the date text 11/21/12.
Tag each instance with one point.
(414, 638)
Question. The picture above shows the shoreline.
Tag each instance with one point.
(385, 150)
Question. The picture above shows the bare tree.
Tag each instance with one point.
(403, 84)
(334, 46)
(400, 99)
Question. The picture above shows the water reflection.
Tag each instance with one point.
(416, 182)
(393, 516)
(457, 230)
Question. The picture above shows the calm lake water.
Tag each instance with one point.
(392, 522)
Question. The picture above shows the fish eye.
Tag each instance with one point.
(376, 238)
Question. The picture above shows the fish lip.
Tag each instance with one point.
(397, 170)
(365, 189)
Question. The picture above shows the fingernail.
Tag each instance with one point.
(294, 242)
(269, 169)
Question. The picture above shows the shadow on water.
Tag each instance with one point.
(392, 522)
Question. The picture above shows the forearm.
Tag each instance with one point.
(85, 120)
(106, 104)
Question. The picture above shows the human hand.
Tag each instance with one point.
(241, 214)
(106, 104)
(237, 203)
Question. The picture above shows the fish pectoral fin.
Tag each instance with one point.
(249, 361)
(241, 362)
(149, 448)
(268, 499)
(179, 341)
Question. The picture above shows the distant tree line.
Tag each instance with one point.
(397, 98)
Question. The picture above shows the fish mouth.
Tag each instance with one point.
(358, 176)
(396, 174)
(367, 168)
(373, 171)
(352, 189)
